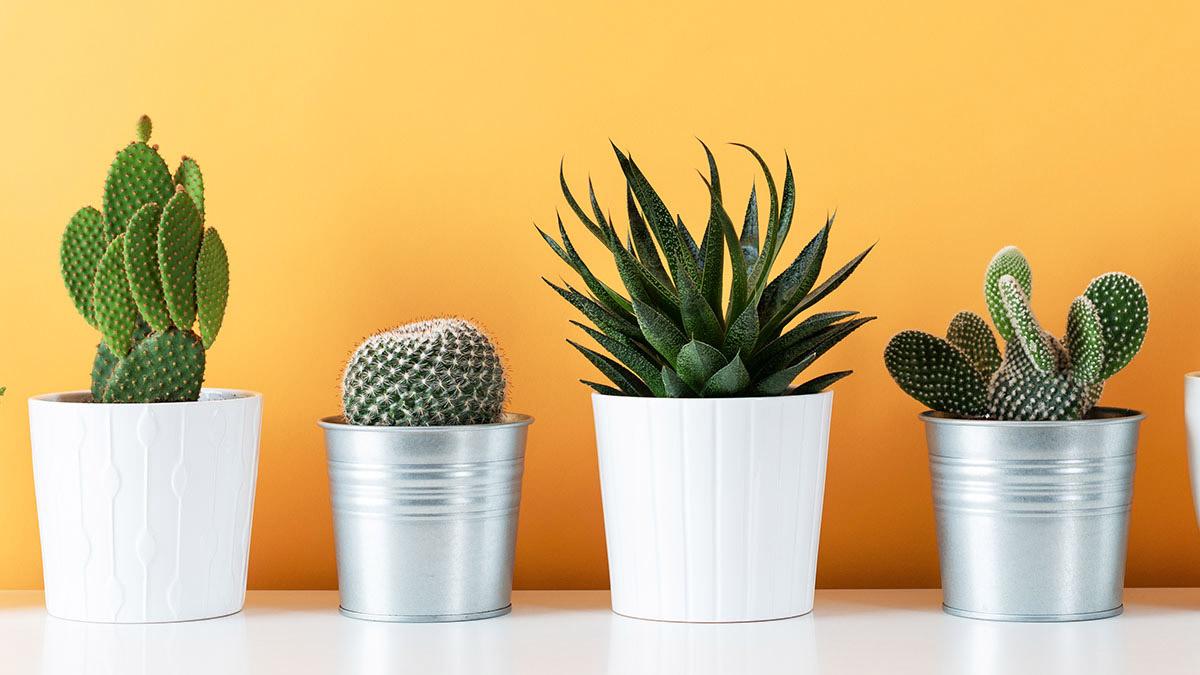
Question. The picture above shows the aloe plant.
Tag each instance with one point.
(674, 332)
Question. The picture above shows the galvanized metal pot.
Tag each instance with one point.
(425, 518)
(1191, 403)
(1033, 517)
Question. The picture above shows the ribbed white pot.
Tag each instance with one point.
(712, 507)
(145, 509)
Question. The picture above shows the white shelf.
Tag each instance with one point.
(573, 633)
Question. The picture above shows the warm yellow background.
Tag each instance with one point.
(376, 162)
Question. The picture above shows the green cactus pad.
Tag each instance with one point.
(936, 373)
(141, 266)
(164, 367)
(970, 333)
(212, 285)
(1020, 391)
(1085, 340)
(442, 372)
(1025, 325)
(188, 175)
(116, 314)
(1011, 262)
(144, 128)
(179, 235)
(102, 367)
(83, 245)
(1124, 313)
(137, 176)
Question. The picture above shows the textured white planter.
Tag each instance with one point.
(712, 507)
(144, 509)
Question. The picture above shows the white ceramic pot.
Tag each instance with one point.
(145, 509)
(712, 507)
(1191, 405)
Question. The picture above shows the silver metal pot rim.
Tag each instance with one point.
(714, 399)
(1194, 373)
(208, 395)
(511, 420)
(1109, 416)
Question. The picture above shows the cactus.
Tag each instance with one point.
(1039, 377)
(441, 372)
(141, 272)
(673, 333)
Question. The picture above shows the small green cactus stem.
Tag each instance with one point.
(1009, 261)
(137, 176)
(141, 266)
(144, 127)
(212, 285)
(441, 372)
(179, 235)
(188, 175)
(936, 373)
(83, 245)
(164, 367)
(116, 314)
(1039, 377)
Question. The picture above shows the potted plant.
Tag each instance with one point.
(712, 463)
(425, 476)
(1032, 481)
(145, 483)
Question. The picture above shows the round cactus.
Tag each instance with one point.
(441, 372)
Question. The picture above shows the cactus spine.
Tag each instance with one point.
(441, 372)
(1039, 377)
(142, 271)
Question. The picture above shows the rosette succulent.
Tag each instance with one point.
(673, 332)
(1039, 377)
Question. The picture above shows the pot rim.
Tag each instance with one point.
(1194, 373)
(512, 420)
(713, 399)
(72, 398)
(1115, 416)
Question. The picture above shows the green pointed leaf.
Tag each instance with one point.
(776, 383)
(742, 333)
(731, 380)
(621, 376)
(578, 210)
(714, 177)
(698, 362)
(676, 388)
(787, 289)
(605, 320)
(643, 285)
(1011, 262)
(737, 260)
(643, 241)
(609, 298)
(1124, 313)
(936, 373)
(801, 331)
(749, 237)
(828, 286)
(604, 389)
(699, 321)
(817, 344)
(631, 356)
(689, 242)
(770, 245)
(819, 384)
(712, 267)
(658, 217)
(970, 333)
(787, 205)
(660, 331)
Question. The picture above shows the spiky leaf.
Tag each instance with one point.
(1024, 324)
(1085, 340)
(141, 264)
(676, 388)
(137, 176)
(83, 245)
(819, 383)
(697, 362)
(179, 233)
(1009, 261)
(630, 356)
(749, 236)
(604, 389)
(167, 366)
(936, 373)
(731, 380)
(817, 294)
(621, 376)
(798, 278)
(212, 285)
(1124, 313)
(605, 320)
(662, 333)
(970, 333)
(116, 314)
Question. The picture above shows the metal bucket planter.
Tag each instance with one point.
(1033, 517)
(425, 518)
(1191, 396)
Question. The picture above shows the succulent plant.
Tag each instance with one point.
(1039, 377)
(674, 332)
(441, 372)
(142, 272)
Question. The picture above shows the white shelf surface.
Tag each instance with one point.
(890, 632)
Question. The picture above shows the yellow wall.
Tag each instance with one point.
(371, 163)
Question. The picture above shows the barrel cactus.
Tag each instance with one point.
(674, 332)
(441, 372)
(1039, 376)
(144, 272)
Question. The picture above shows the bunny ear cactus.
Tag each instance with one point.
(673, 332)
(142, 271)
(1039, 377)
